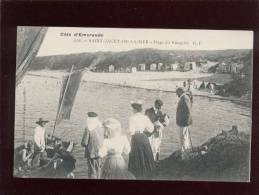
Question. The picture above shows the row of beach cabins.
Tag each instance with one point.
(205, 66)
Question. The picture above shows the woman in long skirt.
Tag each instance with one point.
(114, 146)
(141, 160)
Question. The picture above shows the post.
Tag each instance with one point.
(24, 111)
(61, 104)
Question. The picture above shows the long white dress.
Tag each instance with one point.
(114, 166)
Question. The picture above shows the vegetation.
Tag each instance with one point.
(124, 59)
(241, 84)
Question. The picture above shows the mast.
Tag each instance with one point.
(24, 111)
(61, 104)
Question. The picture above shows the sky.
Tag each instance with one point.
(66, 40)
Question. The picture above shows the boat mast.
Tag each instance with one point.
(61, 104)
(24, 111)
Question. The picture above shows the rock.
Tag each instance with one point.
(224, 157)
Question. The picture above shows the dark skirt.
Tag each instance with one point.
(141, 160)
(115, 168)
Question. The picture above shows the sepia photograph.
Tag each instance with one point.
(133, 104)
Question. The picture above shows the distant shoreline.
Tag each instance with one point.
(196, 93)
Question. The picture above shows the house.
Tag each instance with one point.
(111, 68)
(159, 66)
(190, 66)
(235, 68)
(133, 69)
(142, 67)
(153, 66)
(174, 67)
(224, 68)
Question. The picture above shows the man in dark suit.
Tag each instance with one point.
(184, 120)
(159, 120)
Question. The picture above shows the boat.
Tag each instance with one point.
(57, 160)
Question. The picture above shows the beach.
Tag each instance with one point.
(160, 81)
(104, 94)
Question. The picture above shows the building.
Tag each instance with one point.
(133, 69)
(160, 66)
(142, 67)
(174, 66)
(153, 67)
(111, 68)
(190, 66)
(224, 68)
(235, 68)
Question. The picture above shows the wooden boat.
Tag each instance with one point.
(58, 161)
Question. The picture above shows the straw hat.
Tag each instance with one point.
(92, 114)
(136, 104)
(41, 121)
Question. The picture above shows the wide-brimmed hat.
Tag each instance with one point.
(92, 114)
(136, 104)
(41, 121)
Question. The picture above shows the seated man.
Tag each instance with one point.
(63, 159)
(25, 156)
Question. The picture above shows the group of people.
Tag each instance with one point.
(210, 86)
(106, 140)
(45, 149)
(106, 147)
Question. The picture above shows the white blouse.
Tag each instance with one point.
(140, 122)
(117, 145)
(39, 136)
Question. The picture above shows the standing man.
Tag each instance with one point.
(39, 135)
(39, 140)
(159, 121)
(92, 141)
(184, 120)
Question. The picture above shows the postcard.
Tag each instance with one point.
(133, 104)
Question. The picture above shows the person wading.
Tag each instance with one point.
(184, 121)
(92, 141)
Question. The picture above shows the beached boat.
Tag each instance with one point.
(58, 161)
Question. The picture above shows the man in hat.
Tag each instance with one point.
(92, 141)
(39, 134)
(184, 120)
(39, 140)
(159, 121)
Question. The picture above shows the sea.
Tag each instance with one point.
(38, 97)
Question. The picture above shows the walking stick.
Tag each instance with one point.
(190, 140)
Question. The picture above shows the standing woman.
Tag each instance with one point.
(141, 160)
(114, 145)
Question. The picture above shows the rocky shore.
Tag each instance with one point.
(224, 157)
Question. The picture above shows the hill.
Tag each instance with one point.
(122, 60)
